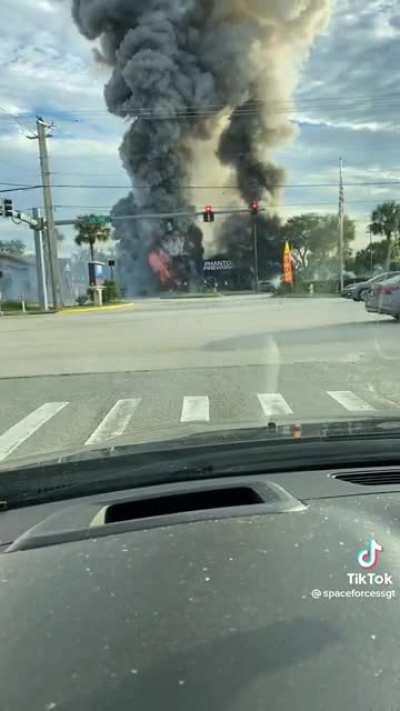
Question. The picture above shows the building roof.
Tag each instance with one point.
(15, 259)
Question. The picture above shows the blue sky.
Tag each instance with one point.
(348, 105)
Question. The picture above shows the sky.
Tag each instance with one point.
(347, 105)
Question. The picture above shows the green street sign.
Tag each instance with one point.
(98, 220)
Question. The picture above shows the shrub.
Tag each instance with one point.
(111, 292)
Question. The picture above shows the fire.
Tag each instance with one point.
(160, 263)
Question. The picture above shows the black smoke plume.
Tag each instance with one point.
(178, 68)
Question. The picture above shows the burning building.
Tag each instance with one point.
(184, 71)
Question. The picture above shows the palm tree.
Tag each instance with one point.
(385, 221)
(89, 232)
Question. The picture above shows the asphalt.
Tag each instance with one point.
(318, 359)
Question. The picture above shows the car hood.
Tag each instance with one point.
(357, 285)
(214, 614)
(171, 438)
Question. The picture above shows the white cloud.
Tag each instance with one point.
(48, 68)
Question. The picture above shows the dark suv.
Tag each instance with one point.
(359, 291)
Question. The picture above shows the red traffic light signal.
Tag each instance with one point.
(255, 207)
(208, 214)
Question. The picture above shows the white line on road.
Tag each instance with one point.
(115, 422)
(350, 401)
(196, 409)
(16, 435)
(274, 404)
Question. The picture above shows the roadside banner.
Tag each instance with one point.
(288, 275)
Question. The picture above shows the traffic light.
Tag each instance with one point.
(255, 207)
(208, 214)
(7, 208)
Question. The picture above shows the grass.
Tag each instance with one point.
(14, 308)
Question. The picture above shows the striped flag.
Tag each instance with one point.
(288, 275)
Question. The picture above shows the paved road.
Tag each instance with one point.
(164, 368)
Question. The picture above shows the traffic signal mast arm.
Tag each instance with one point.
(165, 215)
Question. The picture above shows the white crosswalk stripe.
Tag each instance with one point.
(115, 422)
(19, 433)
(195, 409)
(274, 404)
(350, 401)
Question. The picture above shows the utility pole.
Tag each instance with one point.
(254, 212)
(40, 260)
(42, 134)
(255, 240)
(341, 226)
(371, 253)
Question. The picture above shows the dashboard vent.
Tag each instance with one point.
(179, 503)
(372, 478)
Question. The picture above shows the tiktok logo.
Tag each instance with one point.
(368, 557)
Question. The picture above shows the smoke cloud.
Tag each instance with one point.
(178, 67)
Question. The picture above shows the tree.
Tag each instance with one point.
(302, 233)
(14, 246)
(314, 241)
(385, 221)
(89, 233)
(368, 261)
(235, 239)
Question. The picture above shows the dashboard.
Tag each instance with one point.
(240, 593)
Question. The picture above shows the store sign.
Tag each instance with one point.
(218, 265)
(96, 273)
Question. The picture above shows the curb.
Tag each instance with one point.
(91, 309)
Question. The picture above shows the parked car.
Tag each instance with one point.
(270, 285)
(384, 298)
(359, 291)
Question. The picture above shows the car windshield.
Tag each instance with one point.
(383, 277)
(187, 190)
(391, 280)
(380, 277)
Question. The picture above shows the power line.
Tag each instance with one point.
(247, 108)
(281, 186)
(23, 189)
(272, 207)
(260, 102)
(19, 188)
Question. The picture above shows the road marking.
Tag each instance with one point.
(195, 409)
(274, 404)
(115, 422)
(24, 429)
(350, 401)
